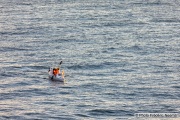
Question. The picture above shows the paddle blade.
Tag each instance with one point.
(60, 63)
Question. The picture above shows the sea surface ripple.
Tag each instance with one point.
(120, 58)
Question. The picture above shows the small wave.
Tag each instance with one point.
(33, 92)
(164, 95)
(65, 40)
(5, 49)
(178, 87)
(75, 67)
(12, 117)
(157, 3)
(24, 3)
(86, 66)
(93, 66)
(36, 67)
(6, 96)
(12, 74)
(122, 23)
(14, 33)
(172, 20)
(108, 112)
(135, 47)
(91, 85)
(81, 115)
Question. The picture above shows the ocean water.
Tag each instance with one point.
(120, 57)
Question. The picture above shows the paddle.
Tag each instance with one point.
(60, 63)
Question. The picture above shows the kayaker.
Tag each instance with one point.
(56, 71)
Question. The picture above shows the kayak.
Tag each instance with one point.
(54, 74)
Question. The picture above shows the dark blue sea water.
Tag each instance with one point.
(120, 57)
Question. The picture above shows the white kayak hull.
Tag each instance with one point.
(56, 78)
